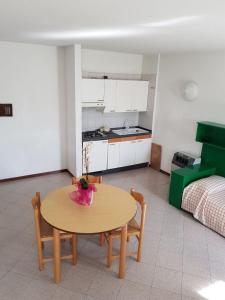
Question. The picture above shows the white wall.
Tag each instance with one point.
(150, 64)
(31, 141)
(96, 63)
(149, 72)
(92, 119)
(175, 119)
(111, 62)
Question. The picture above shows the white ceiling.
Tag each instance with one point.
(143, 26)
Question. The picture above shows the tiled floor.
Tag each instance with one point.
(181, 258)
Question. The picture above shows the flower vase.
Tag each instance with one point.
(83, 196)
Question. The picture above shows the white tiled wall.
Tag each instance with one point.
(92, 119)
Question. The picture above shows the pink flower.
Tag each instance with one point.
(81, 196)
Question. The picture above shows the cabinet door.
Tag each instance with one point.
(132, 95)
(139, 95)
(97, 153)
(127, 153)
(142, 151)
(113, 155)
(92, 90)
(110, 95)
(124, 96)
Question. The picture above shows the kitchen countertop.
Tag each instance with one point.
(112, 135)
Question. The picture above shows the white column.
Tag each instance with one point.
(73, 97)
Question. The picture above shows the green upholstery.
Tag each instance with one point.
(212, 135)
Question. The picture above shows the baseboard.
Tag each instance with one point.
(34, 175)
(164, 172)
(96, 173)
(116, 170)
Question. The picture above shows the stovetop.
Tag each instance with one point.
(94, 134)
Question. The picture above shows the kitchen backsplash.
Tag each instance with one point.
(92, 119)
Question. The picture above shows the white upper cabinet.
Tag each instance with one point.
(115, 95)
(92, 91)
(126, 95)
(110, 99)
(139, 95)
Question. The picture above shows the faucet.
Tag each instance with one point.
(128, 123)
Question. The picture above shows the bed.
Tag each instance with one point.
(205, 199)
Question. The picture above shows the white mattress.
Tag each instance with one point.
(205, 199)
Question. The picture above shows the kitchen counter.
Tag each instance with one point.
(112, 135)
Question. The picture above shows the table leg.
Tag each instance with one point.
(57, 259)
(74, 248)
(123, 246)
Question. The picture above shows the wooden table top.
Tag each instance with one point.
(111, 208)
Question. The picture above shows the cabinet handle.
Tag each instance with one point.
(135, 110)
(128, 110)
(133, 141)
(112, 144)
(104, 142)
(112, 110)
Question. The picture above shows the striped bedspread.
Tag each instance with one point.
(205, 199)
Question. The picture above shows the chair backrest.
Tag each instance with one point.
(36, 203)
(140, 199)
(89, 178)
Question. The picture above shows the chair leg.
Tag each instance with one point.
(74, 249)
(109, 256)
(128, 238)
(139, 248)
(42, 245)
(40, 255)
(101, 239)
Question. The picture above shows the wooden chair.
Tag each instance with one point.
(134, 229)
(44, 232)
(89, 178)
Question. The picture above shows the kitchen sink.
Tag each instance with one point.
(127, 131)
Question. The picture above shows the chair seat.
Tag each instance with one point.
(132, 229)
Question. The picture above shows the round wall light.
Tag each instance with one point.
(190, 91)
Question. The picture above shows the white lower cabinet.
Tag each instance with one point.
(97, 153)
(103, 155)
(142, 151)
(127, 153)
(113, 155)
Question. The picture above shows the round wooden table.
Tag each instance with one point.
(112, 208)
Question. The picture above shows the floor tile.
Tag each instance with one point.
(196, 266)
(167, 279)
(104, 286)
(140, 272)
(217, 271)
(64, 294)
(12, 286)
(158, 294)
(170, 234)
(192, 285)
(169, 260)
(174, 245)
(39, 290)
(79, 278)
(133, 291)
